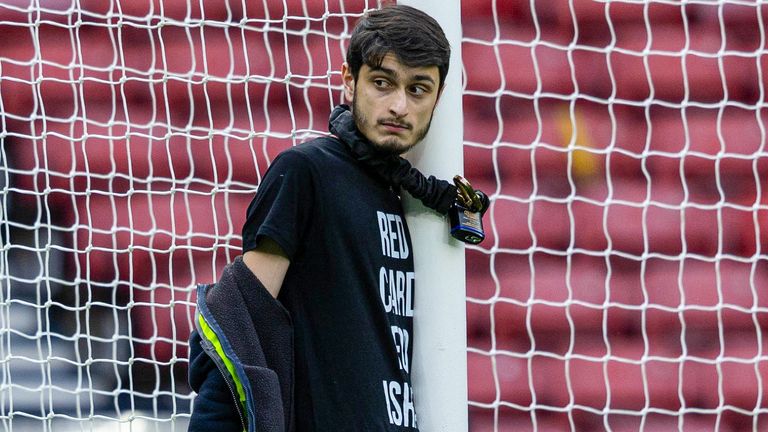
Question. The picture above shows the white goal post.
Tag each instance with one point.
(622, 284)
(439, 356)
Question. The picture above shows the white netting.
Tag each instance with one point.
(133, 135)
(623, 286)
(623, 283)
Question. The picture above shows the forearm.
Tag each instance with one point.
(214, 406)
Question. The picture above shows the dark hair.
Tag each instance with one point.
(413, 36)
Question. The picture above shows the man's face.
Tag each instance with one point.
(392, 104)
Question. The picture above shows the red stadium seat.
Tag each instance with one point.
(762, 219)
(501, 377)
(555, 20)
(736, 375)
(621, 379)
(87, 155)
(617, 379)
(739, 23)
(527, 223)
(162, 314)
(479, 163)
(508, 11)
(624, 223)
(218, 66)
(177, 10)
(664, 221)
(260, 12)
(589, 138)
(680, 66)
(214, 68)
(591, 69)
(509, 419)
(156, 247)
(593, 23)
(704, 295)
(315, 64)
(479, 334)
(481, 289)
(733, 15)
(728, 229)
(592, 379)
(701, 137)
(589, 12)
(521, 141)
(515, 24)
(478, 270)
(549, 380)
(46, 71)
(56, 158)
(171, 66)
(23, 12)
(740, 26)
(243, 143)
(277, 10)
(609, 139)
(549, 298)
(221, 158)
(516, 65)
(135, 237)
(661, 422)
(489, 313)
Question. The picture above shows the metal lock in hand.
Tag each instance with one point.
(466, 215)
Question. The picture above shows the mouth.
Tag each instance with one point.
(395, 127)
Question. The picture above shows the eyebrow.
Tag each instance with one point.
(394, 74)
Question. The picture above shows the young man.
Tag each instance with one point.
(312, 329)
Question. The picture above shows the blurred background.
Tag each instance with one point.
(623, 282)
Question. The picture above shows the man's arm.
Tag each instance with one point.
(269, 263)
(215, 408)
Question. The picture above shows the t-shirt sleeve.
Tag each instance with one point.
(282, 205)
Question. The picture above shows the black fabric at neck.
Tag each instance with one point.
(434, 193)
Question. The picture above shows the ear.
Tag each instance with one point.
(349, 82)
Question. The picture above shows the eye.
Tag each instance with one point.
(380, 83)
(418, 90)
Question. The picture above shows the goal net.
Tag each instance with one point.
(622, 282)
(133, 135)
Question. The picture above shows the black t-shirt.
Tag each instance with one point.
(349, 287)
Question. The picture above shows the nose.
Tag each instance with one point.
(398, 105)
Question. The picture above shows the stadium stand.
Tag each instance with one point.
(581, 191)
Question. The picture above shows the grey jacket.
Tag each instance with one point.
(243, 347)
